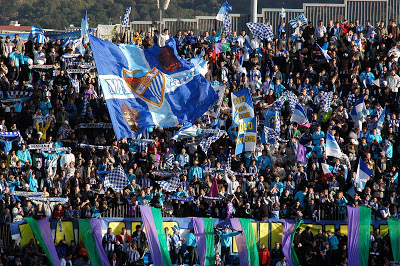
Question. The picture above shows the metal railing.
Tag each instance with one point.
(5, 234)
(334, 213)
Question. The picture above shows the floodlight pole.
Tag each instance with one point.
(254, 11)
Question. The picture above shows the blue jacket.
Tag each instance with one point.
(195, 170)
(191, 240)
(226, 238)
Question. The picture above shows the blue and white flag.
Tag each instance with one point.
(188, 130)
(67, 42)
(242, 106)
(38, 35)
(125, 22)
(300, 19)
(326, 101)
(225, 9)
(363, 173)
(247, 135)
(324, 51)
(206, 143)
(381, 119)
(261, 30)
(247, 46)
(171, 185)
(116, 179)
(153, 87)
(299, 115)
(272, 120)
(359, 111)
(326, 168)
(85, 29)
(283, 13)
(332, 147)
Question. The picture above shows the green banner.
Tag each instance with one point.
(250, 241)
(158, 221)
(85, 230)
(394, 233)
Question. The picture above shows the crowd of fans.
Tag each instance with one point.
(266, 183)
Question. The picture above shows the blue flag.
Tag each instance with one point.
(299, 115)
(153, 87)
(359, 111)
(85, 29)
(381, 119)
(363, 173)
(332, 147)
(247, 135)
(223, 11)
(38, 35)
(242, 106)
(324, 51)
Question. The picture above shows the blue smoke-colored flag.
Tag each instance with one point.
(363, 173)
(85, 29)
(225, 8)
(332, 147)
(153, 87)
(247, 46)
(300, 19)
(324, 51)
(381, 119)
(359, 111)
(188, 130)
(38, 35)
(299, 115)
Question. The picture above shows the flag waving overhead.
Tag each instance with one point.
(300, 19)
(153, 87)
(117, 179)
(332, 147)
(261, 30)
(283, 13)
(85, 29)
(381, 119)
(225, 9)
(363, 174)
(125, 22)
(324, 51)
(299, 115)
(38, 35)
(359, 111)
(188, 130)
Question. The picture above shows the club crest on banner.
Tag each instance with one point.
(150, 87)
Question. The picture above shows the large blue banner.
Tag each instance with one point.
(153, 87)
(242, 106)
(247, 135)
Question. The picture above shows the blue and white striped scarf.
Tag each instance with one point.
(88, 146)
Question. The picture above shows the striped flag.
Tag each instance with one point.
(358, 241)
(332, 147)
(42, 232)
(394, 232)
(289, 229)
(38, 35)
(359, 111)
(363, 174)
(299, 115)
(153, 223)
(381, 119)
(300, 19)
(324, 51)
(204, 233)
(188, 130)
(283, 13)
(246, 242)
(90, 231)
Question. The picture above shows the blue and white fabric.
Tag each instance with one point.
(326, 100)
(299, 19)
(261, 30)
(85, 29)
(283, 13)
(206, 143)
(125, 21)
(188, 130)
(171, 185)
(332, 147)
(9, 134)
(225, 8)
(247, 135)
(299, 115)
(324, 51)
(242, 106)
(117, 179)
(88, 146)
(362, 176)
(359, 111)
(38, 35)
(19, 93)
(153, 87)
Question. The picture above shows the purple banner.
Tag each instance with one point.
(152, 236)
(288, 228)
(44, 226)
(301, 154)
(241, 243)
(353, 238)
(200, 234)
(96, 230)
